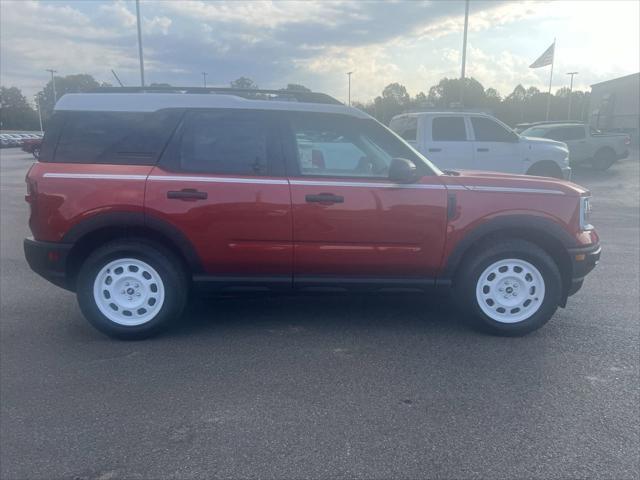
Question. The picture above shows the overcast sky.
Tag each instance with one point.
(316, 43)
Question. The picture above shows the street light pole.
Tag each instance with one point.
(39, 114)
(204, 79)
(53, 84)
(349, 75)
(140, 44)
(464, 50)
(570, 91)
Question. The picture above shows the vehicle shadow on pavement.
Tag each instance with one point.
(433, 313)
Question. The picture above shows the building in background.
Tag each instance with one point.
(615, 105)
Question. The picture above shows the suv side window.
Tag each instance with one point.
(486, 130)
(112, 137)
(328, 145)
(225, 142)
(448, 129)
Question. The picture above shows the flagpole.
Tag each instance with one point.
(553, 59)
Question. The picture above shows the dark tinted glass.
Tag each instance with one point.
(410, 135)
(449, 129)
(114, 137)
(226, 142)
(486, 130)
(52, 130)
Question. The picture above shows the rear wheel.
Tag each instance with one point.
(510, 288)
(603, 159)
(131, 288)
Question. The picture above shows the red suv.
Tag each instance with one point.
(139, 198)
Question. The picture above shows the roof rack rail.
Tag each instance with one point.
(253, 94)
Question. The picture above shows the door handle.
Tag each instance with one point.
(324, 198)
(187, 194)
(434, 150)
(482, 149)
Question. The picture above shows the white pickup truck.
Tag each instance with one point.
(476, 141)
(586, 144)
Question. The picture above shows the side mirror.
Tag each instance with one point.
(402, 170)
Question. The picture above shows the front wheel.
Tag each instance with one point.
(131, 288)
(510, 288)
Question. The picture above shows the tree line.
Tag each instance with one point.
(521, 105)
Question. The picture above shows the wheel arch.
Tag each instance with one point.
(102, 228)
(545, 165)
(545, 233)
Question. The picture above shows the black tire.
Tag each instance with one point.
(545, 169)
(489, 253)
(169, 268)
(603, 159)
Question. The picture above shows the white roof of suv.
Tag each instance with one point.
(150, 102)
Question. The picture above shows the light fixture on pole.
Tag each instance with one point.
(53, 84)
(204, 79)
(140, 44)
(570, 92)
(349, 97)
(464, 51)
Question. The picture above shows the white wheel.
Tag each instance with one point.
(510, 290)
(128, 292)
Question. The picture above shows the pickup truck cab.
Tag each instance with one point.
(586, 144)
(140, 198)
(458, 140)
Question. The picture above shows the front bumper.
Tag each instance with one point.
(48, 259)
(583, 260)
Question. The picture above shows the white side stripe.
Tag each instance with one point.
(366, 184)
(178, 178)
(95, 176)
(269, 181)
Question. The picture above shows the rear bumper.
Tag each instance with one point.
(583, 260)
(48, 259)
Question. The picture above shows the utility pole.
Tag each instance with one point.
(140, 44)
(570, 91)
(53, 83)
(204, 79)
(117, 78)
(349, 75)
(464, 51)
(39, 114)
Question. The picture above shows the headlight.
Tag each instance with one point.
(585, 213)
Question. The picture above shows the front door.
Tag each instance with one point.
(349, 221)
(447, 142)
(221, 183)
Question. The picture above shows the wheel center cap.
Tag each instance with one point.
(509, 290)
(130, 291)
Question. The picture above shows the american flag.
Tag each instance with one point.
(546, 58)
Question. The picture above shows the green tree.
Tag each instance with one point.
(296, 87)
(70, 84)
(15, 111)
(446, 93)
(393, 101)
(244, 83)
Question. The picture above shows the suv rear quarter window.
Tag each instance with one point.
(112, 137)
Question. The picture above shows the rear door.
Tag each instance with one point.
(221, 183)
(496, 148)
(350, 221)
(447, 143)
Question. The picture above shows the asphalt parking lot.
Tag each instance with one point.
(317, 387)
